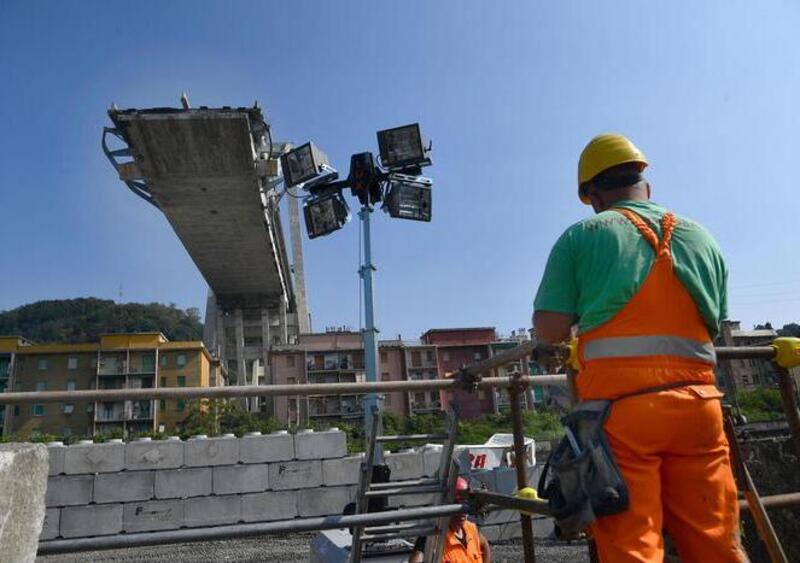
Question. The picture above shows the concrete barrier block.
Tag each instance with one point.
(231, 479)
(94, 458)
(430, 461)
(199, 452)
(405, 465)
(268, 448)
(211, 511)
(320, 445)
(23, 481)
(183, 483)
(50, 528)
(93, 520)
(295, 474)
(123, 486)
(160, 454)
(342, 471)
(56, 458)
(272, 505)
(68, 490)
(152, 516)
(323, 501)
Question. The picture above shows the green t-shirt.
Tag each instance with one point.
(600, 263)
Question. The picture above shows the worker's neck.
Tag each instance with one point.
(611, 198)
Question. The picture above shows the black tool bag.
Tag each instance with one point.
(585, 481)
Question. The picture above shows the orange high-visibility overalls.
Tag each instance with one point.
(670, 445)
(468, 552)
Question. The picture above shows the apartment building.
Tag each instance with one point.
(117, 361)
(332, 357)
(458, 347)
(742, 375)
(422, 363)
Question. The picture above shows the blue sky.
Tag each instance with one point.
(509, 92)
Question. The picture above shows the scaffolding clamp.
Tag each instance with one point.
(787, 351)
(467, 380)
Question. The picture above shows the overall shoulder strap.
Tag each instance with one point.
(668, 222)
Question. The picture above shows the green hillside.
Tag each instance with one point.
(84, 319)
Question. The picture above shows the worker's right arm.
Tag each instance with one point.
(416, 557)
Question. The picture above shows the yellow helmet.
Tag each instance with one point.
(603, 152)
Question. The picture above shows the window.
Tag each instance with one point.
(42, 364)
(181, 381)
(387, 399)
(71, 386)
(478, 355)
(290, 361)
(384, 357)
(162, 405)
(419, 399)
(41, 386)
(416, 359)
(72, 363)
(429, 355)
(162, 360)
(293, 405)
(446, 356)
(385, 376)
(181, 360)
(38, 410)
(181, 405)
(69, 409)
(163, 381)
(16, 410)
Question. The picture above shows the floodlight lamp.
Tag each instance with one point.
(325, 214)
(302, 164)
(409, 197)
(402, 147)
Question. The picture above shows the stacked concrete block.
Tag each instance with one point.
(152, 516)
(273, 505)
(183, 483)
(295, 474)
(430, 460)
(124, 486)
(320, 445)
(92, 520)
(231, 479)
(258, 448)
(406, 465)
(149, 454)
(324, 501)
(212, 511)
(55, 453)
(69, 490)
(342, 471)
(50, 527)
(201, 451)
(94, 458)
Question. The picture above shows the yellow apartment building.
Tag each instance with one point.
(117, 361)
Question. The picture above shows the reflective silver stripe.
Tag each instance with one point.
(633, 346)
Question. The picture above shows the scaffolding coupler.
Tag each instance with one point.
(787, 351)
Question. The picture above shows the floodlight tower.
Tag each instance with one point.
(396, 180)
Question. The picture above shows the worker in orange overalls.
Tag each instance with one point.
(463, 543)
(647, 291)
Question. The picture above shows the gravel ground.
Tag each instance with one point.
(291, 549)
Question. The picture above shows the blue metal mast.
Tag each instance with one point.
(370, 333)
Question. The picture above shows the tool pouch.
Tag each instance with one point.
(585, 481)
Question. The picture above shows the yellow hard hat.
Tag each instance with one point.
(603, 152)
